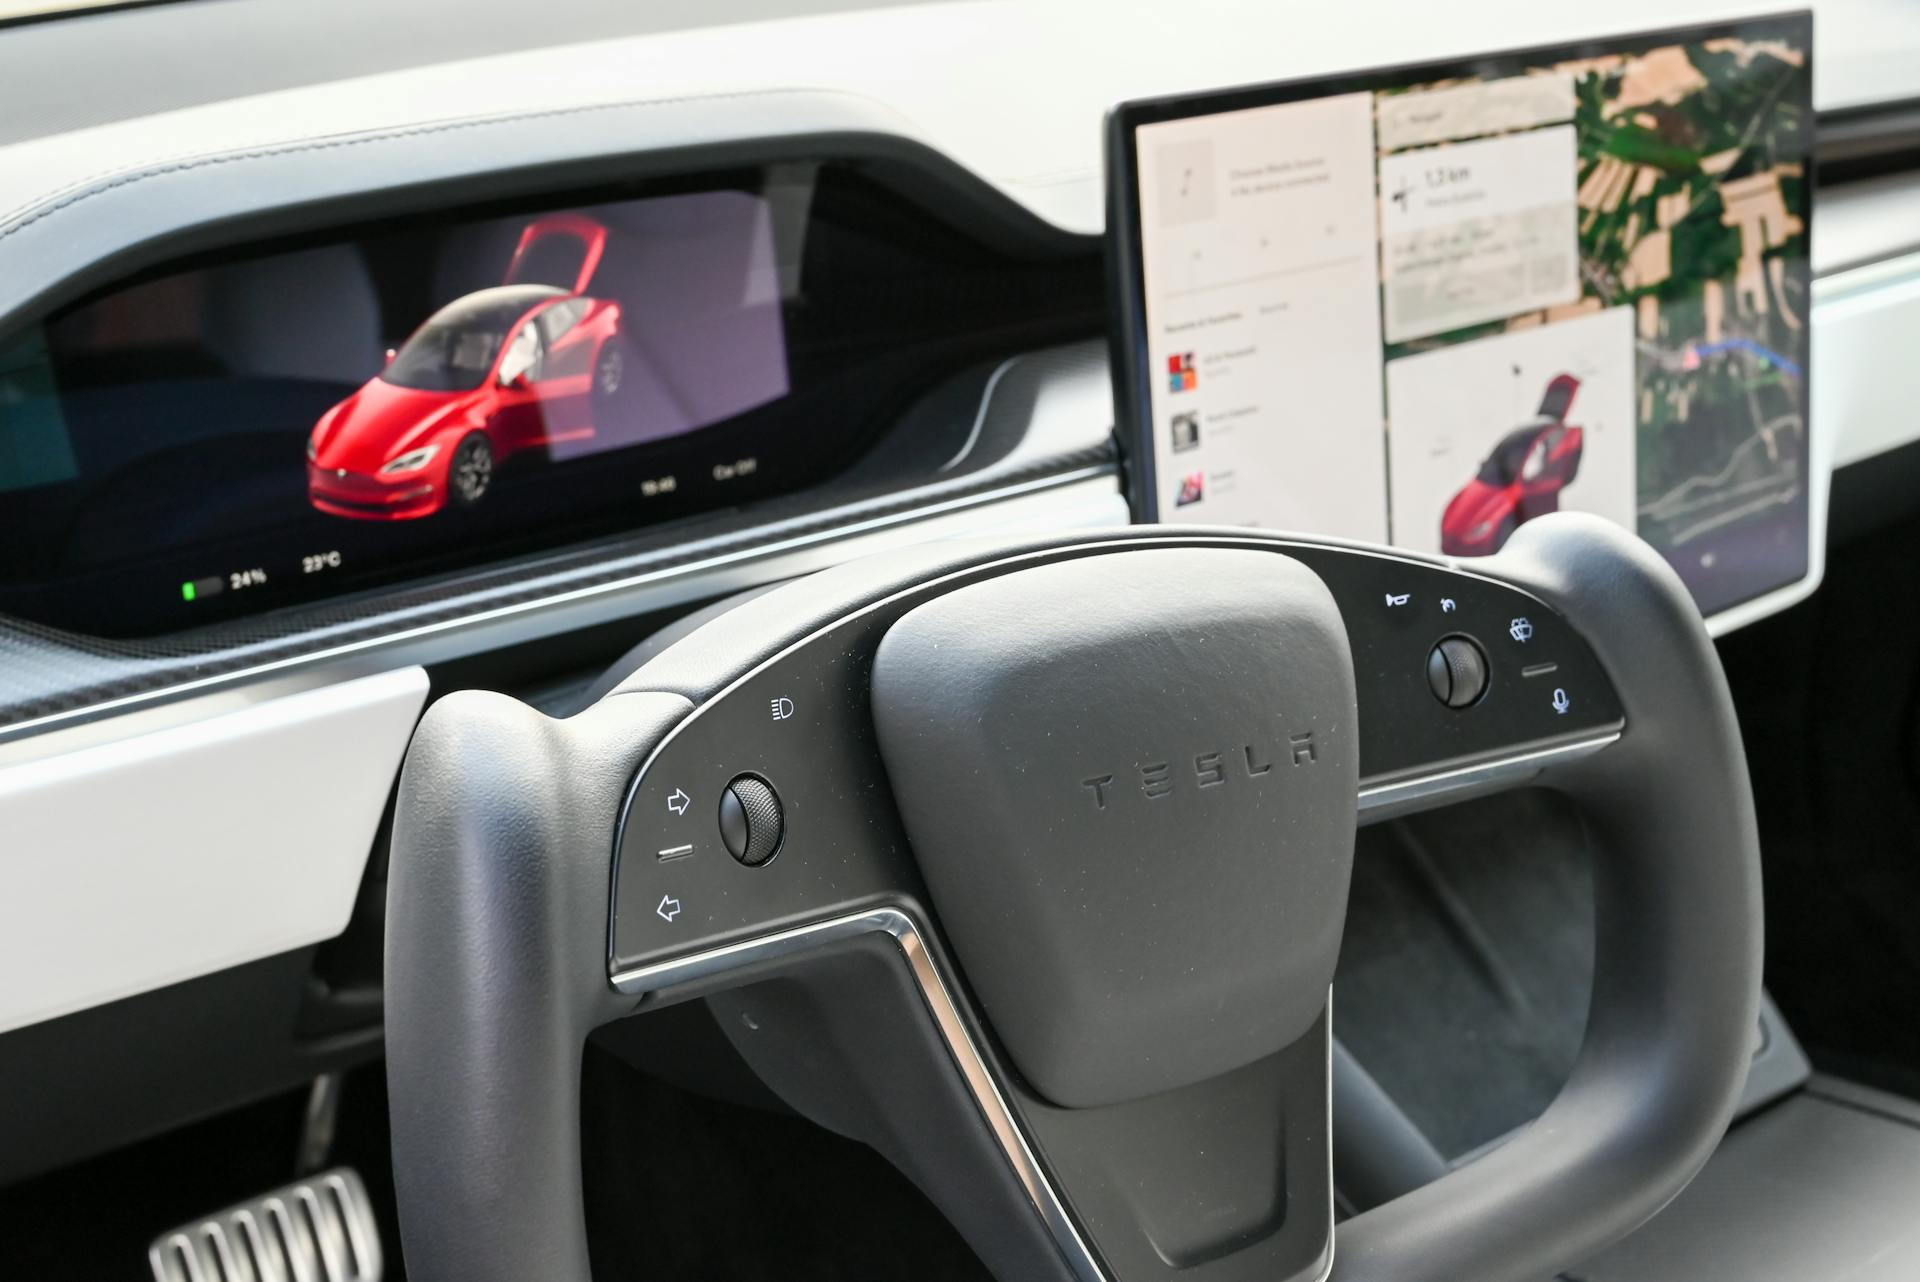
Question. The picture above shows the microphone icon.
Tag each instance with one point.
(1561, 702)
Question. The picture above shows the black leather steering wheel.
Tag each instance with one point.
(1027, 863)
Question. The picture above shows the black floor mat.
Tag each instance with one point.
(685, 1187)
(93, 1222)
(1827, 700)
(678, 1186)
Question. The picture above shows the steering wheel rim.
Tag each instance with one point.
(503, 951)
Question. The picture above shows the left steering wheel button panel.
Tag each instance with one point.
(789, 804)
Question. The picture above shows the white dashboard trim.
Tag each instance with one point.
(134, 864)
(1867, 383)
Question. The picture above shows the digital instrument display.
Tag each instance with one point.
(267, 426)
(1425, 305)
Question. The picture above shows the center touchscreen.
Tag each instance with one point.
(1427, 305)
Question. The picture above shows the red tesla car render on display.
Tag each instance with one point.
(1521, 479)
(491, 375)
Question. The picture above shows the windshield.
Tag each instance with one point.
(456, 347)
(445, 358)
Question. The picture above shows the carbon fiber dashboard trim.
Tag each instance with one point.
(49, 677)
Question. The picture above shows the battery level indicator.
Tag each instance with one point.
(194, 589)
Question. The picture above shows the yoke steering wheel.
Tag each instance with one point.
(1028, 863)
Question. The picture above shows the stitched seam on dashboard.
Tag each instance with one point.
(26, 215)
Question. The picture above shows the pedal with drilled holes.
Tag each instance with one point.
(320, 1229)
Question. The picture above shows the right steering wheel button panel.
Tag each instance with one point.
(1538, 683)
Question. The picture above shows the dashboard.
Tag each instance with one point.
(846, 319)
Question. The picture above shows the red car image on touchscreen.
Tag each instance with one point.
(496, 372)
(1521, 479)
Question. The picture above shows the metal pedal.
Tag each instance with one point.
(320, 1229)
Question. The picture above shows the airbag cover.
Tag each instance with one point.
(1130, 780)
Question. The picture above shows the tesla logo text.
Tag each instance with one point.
(1158, 780)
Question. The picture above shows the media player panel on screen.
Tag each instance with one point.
(1433, 304)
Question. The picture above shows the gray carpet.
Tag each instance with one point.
(1464, 978)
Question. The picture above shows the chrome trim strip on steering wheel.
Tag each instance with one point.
(946, 1016)
(934, 989)
(1502, 772)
